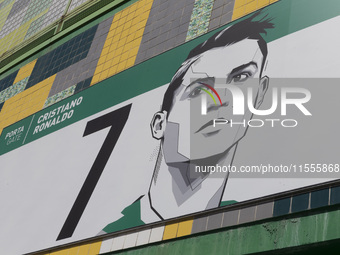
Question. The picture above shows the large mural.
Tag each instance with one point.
(242, 112)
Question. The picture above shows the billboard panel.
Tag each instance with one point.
(242, 112)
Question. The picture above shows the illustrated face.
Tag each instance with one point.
(191, 135)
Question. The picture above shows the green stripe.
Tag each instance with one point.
(304, 230)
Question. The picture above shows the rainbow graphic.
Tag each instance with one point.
(204, 98)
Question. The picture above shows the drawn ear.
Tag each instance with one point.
(158, 124)
(264, 84)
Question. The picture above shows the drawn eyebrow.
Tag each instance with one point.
(199, 81)
(240, 68)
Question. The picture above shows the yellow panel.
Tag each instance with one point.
(122, 20)
(170, 231)
(118, 52)
(121, 66)
(95, 248)
(125, 12)
(111, 55)
(124, 56)
(145, 16)
(250, 7)
(25, 103)
(105, 51)
(140, 4)
(184, 228)
(95, 79)
(124, 39)
(148, 6)
(84, 249)
(262, 3)
(73, 251)
(107, 65)
(130, 61)
(113, 70)
(243, 7)
(127, 24)
(239, 12)
(134, 7)
(104, 74)
(130, 17)
(119, 30)
(139, 33)
(25, 71)
(239, 3)
(135, 20)
(61, 252)
(118, 15)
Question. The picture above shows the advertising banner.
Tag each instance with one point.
(244, 111)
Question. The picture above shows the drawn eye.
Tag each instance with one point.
(195, 92)
(241, 77)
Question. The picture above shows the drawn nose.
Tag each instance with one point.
(214, 106)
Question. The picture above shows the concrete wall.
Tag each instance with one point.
(130, 34)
